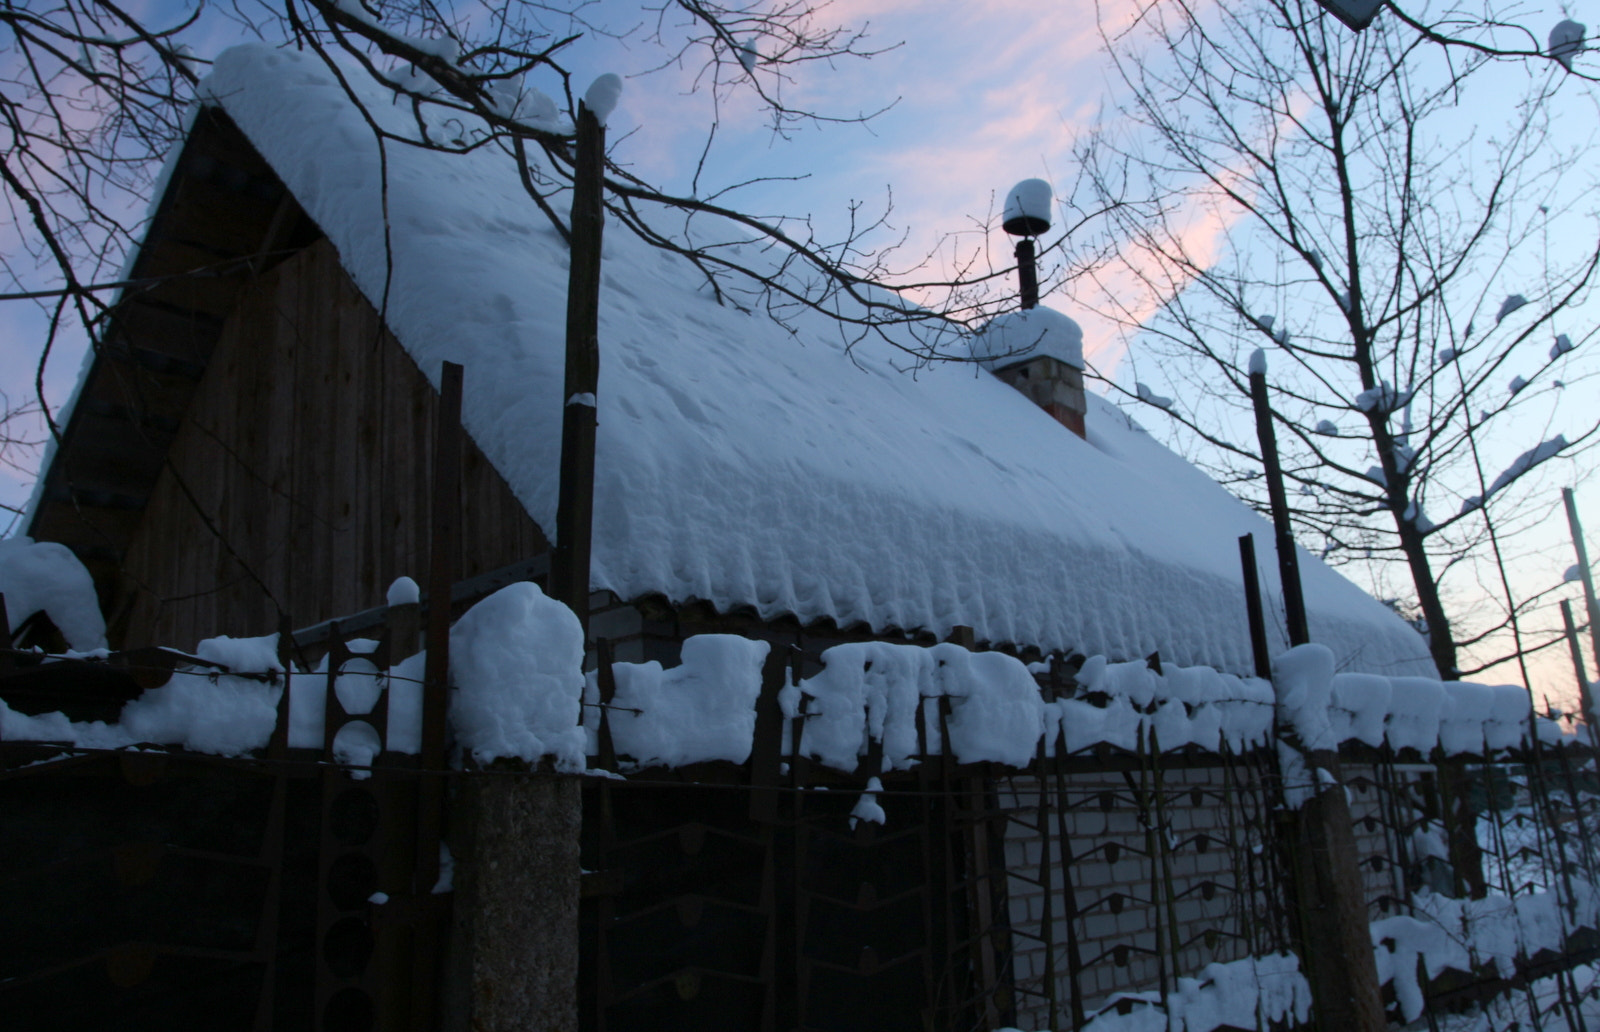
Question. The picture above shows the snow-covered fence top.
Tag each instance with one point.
(704, 709)
(516, 665)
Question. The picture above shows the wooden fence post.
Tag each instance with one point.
(569, 568)
(1591, 713)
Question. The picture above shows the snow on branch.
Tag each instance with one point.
(1520, 465)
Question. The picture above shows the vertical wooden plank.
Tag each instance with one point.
(287, 375)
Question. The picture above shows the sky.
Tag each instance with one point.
(973, 97)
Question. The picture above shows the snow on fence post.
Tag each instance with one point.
(1318, 837)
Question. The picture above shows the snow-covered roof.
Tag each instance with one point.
(743, 465)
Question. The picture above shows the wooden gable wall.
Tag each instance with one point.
(299, 480)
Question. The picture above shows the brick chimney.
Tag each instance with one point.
(1038, 351)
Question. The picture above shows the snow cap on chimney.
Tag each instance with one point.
(1038, 351)
(1025, 335)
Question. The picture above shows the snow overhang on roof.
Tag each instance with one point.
(747, 467)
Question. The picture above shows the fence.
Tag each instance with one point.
(770, 894)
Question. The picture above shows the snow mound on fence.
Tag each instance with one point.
(42, 576)
(703, 709)
(516, 664)
(890, 694)
(225, 712)
(516, 661)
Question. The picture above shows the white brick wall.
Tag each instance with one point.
(1096, 877)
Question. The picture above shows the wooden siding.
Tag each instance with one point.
(223, 219)
(298, 483)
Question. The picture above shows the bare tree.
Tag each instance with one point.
(1415, 281)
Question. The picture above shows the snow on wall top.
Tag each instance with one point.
(741, 465)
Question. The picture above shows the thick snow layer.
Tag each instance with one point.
(1030, 200)
(516, 663)
(44, 576)
(1302, 679)
(743, 466)
(516, 670)
(1566, 41)
(1026, 334)
(404, 591)
(1509, 305)
(703, 709)
(198, 709)
(870, 692)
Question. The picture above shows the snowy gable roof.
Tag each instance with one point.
(745, 466)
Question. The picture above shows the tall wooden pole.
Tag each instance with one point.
(1294, 604)
(1252, 605)
(569, 568)
(1591, 714)
(1583, 569)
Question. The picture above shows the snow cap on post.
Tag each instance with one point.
(603, 95)
(1027, 211)
(1258, 362)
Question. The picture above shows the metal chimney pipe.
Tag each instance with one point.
(1028, 273)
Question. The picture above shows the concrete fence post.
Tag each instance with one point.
(1318, 836)
(514, 944)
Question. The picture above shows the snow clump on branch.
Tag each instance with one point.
(1382, 398)
(1566, 41)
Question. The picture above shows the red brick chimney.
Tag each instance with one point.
(1038, 351)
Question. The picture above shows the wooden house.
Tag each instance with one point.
(251, 445)
(251, 450)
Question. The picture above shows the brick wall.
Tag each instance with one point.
(1207, 882)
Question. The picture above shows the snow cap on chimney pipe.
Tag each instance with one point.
(1027, 210)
